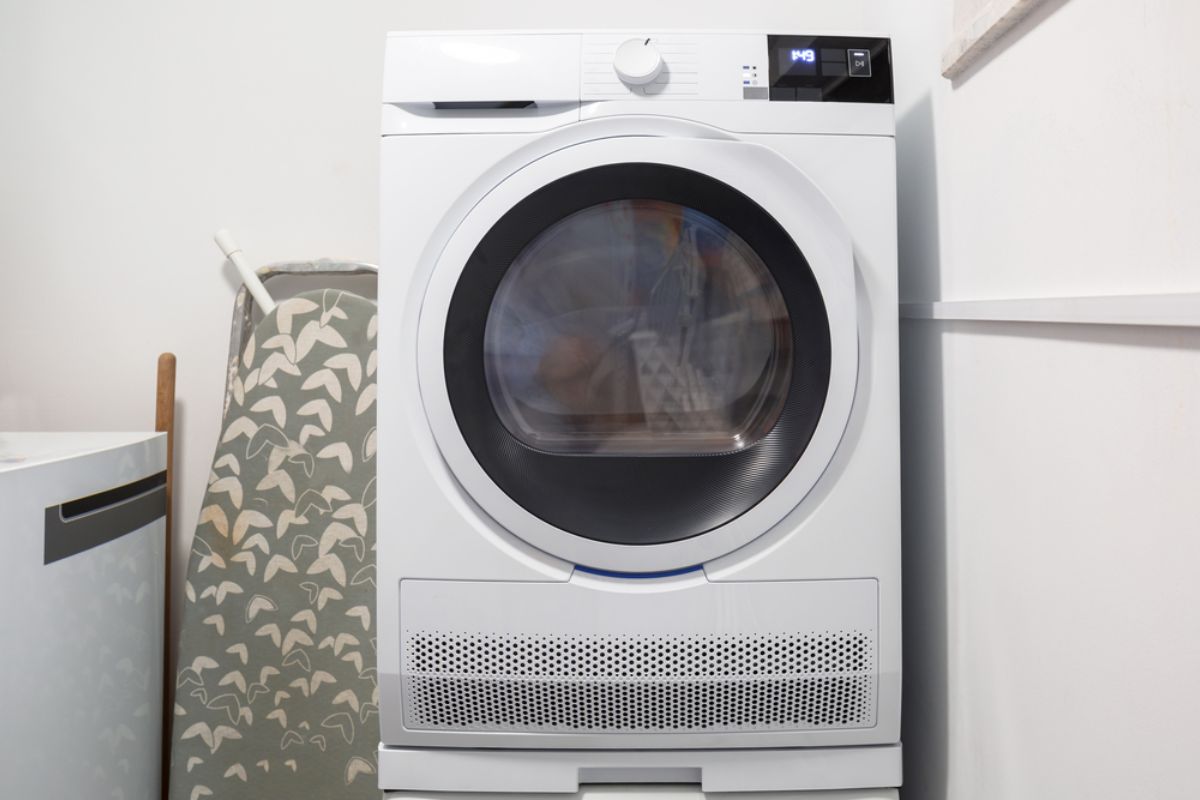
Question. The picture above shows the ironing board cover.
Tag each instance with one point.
(276, 691)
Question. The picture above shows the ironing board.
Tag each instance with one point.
(276, 692)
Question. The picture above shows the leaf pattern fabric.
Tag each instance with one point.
(276, 695)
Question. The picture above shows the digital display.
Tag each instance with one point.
(826, 69)
(797, 61)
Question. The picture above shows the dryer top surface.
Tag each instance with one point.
(504, 80)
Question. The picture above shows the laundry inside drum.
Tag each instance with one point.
(638, 327)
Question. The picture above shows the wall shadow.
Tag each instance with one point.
(926, 705)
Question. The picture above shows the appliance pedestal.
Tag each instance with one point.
(662, 792)
(477, 772)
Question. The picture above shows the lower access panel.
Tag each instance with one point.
(627, 662)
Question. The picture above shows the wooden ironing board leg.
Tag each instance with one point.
(164, 422)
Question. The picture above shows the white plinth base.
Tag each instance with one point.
(664, 792)
(815, 769)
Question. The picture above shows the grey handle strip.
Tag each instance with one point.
(68, 535)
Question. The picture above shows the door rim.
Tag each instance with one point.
(758, 172)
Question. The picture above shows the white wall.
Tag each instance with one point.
(133, 129)
(1052, 530)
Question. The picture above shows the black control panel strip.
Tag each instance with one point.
(830, 69)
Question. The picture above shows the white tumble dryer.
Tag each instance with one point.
(639, 514)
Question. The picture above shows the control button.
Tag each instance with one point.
(833, 55)
(860, 63)
(755, 93)
(809, 95)
(783, 93)
(637, 62)
(832, 69)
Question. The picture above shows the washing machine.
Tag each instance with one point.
(639, 514)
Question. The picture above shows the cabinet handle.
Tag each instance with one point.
(81, 524)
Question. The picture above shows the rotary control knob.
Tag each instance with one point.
(637, 62)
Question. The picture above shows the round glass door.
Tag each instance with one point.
(638, 328)
(637, 353)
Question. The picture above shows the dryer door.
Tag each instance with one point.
(638, 354)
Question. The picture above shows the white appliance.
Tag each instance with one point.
(81, 613)
(639, 508)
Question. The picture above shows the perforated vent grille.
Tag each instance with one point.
(638, 684)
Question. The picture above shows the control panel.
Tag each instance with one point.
(717, 66)
(476, 81)
(826, 69)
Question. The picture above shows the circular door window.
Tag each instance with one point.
(637, 354)
(638, 328)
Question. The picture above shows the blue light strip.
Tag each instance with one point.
(638, 575)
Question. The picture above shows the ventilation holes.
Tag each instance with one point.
(638, 684)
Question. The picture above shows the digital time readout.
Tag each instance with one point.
(796, 60)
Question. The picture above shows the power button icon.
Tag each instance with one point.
(860, 63)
